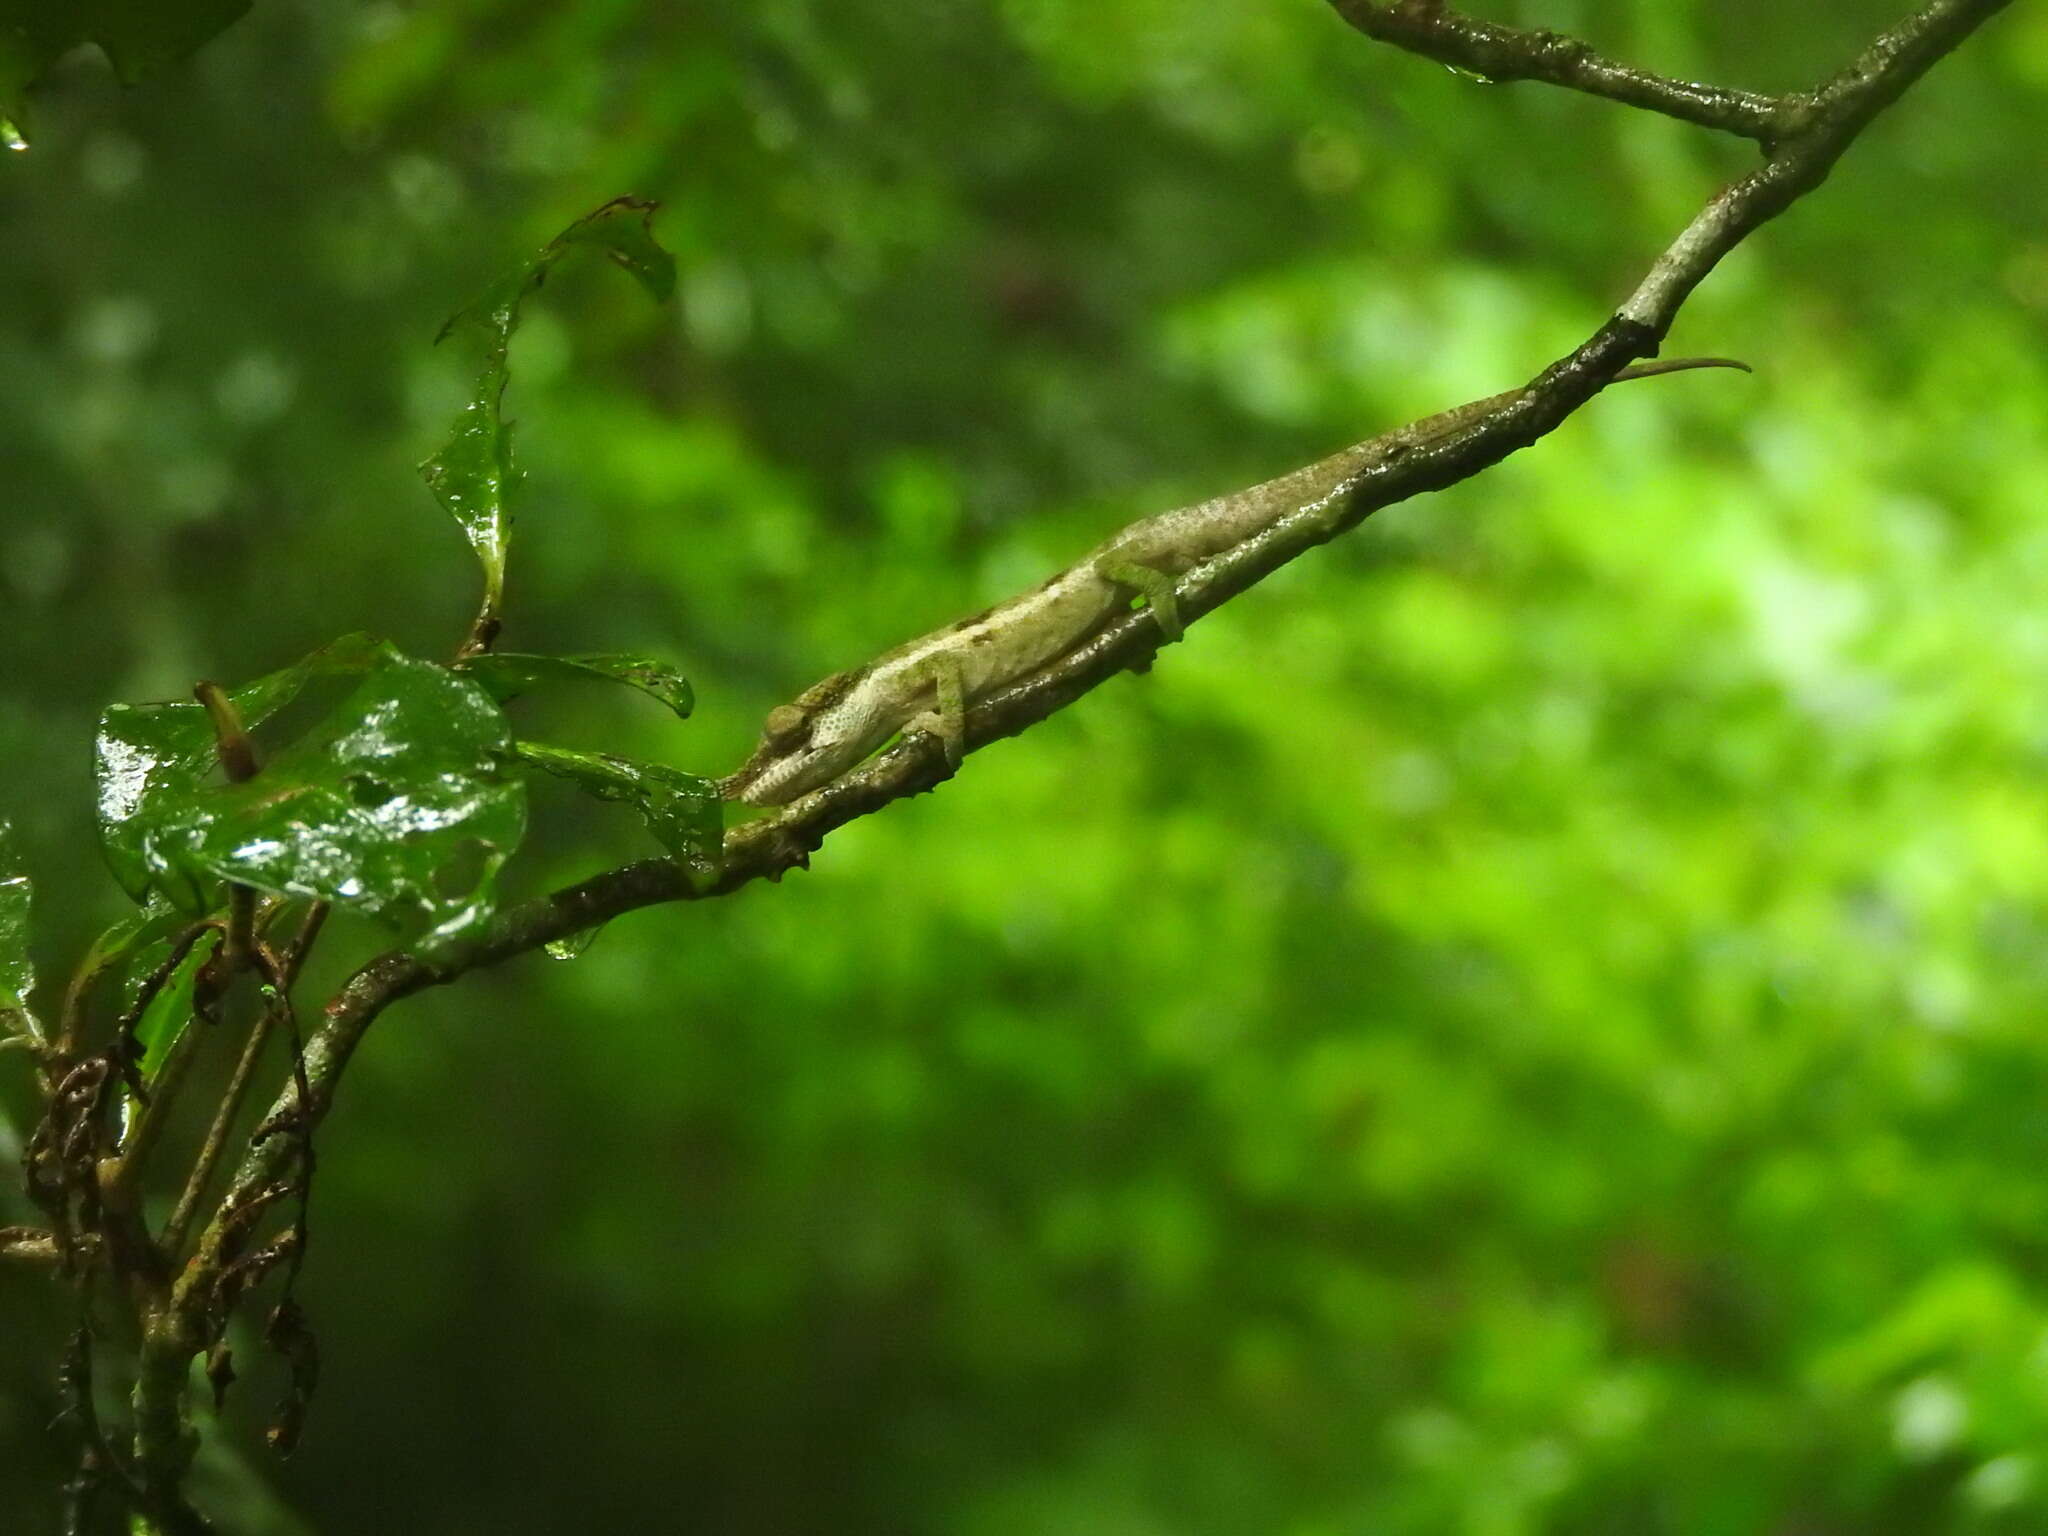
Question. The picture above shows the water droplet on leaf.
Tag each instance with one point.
(574, 945)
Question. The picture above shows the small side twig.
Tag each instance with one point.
(1503, 54)
(156, 1100)
(126, 1051)
(286, 965)
(172, 1240)
(297, 1125)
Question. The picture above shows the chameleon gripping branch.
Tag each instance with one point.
(928, 683)
(1811, 131)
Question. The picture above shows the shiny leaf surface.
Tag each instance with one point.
(399, 802)
(136, 945)
(473, 473)
(507, 674)
(17, 971)
(682, 810)
(164, 1020)
(144, 752)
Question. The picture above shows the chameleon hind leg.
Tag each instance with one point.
(1156, 587)
(947, 718)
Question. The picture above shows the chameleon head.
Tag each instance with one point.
(800, 750)
(786, 727)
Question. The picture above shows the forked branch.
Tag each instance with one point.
(1803, 136)
(1826, 122)
(1493, 52)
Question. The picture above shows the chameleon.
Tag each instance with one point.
(927, 684)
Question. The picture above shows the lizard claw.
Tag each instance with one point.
(946, 732)
(1157, 588)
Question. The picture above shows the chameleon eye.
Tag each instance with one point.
(786, 725)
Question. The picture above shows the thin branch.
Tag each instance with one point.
(126, 1052)
(121, 1175)
(1836, 114)
(164, 1442)
(285, 967)
(157, 1099)
(1502, 54)
(1828, 121)
(173, 1239)
(292, 958)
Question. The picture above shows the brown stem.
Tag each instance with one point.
(124, 1172)
(482, 633)
(172, 1241)
(1502, 54)
(238, 761)
(231, 738)
(292, 958)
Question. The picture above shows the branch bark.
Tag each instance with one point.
(1804, 135)
(1502, 54)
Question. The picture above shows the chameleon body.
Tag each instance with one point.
(928, 683)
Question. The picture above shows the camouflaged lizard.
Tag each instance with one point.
(929, 683)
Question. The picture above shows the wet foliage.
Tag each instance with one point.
(1526, 1025)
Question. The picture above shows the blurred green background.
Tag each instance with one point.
(1532, 1021)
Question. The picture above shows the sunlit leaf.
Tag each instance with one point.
(137, 36)
(145, 751)
(17, 970)
(682, 810)
(472, 475)
(507, 674)
(401, 802)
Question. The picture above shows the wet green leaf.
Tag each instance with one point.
(473, 473)
(17, 971)
(622, 228)
(506, 674)
(682, 810)
(137, 36)
(137, 944)
(164, 1020)
(146, 751)
(401, 802)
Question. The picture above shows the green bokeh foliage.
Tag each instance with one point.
(1530, 1022)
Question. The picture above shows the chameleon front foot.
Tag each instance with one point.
(947, 719)
(1156, 587)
